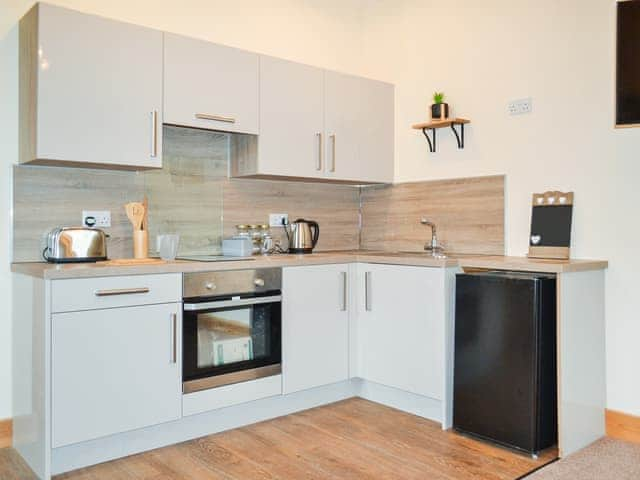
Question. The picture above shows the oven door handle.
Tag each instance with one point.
(196, 307)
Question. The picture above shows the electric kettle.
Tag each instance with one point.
(302, 235)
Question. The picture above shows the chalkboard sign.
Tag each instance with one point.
(551, 215)
(628, 64)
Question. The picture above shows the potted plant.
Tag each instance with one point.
(439, 109)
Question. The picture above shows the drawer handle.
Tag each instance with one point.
(215, 118)
(121, 291)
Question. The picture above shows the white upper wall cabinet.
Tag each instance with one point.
(91, 90)
(376, 151)
(359, 121)
(291, 120)
(210, 86)
(95, 93)
(342, 105)
(319, 125)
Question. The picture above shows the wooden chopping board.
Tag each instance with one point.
(132, 261)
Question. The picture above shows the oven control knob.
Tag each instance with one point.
(210, 286)
(258, 282)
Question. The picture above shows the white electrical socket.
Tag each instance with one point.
(102, 218)
(275, 219)
(520, 107)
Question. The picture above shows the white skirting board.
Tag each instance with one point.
(101, 450)
(398, 399)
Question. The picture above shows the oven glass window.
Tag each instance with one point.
(230, 336)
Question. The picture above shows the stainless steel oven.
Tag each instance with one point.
(232, 325)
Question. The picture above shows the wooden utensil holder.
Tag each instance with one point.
(140, 243)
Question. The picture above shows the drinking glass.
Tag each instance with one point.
(168, 246)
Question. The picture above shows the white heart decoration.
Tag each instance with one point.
(535, 239)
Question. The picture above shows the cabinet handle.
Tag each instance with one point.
(121, 291)
(215, 118)
(333, 152)
(154, 134)
(344, 291)
(319, 165)
(174, 338)
(367, 291)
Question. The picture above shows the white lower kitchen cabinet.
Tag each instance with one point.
(114, 370)
(315, 326)
(402, 327)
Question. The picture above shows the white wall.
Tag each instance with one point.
(561, 53)
(326, 33)
(322, 32)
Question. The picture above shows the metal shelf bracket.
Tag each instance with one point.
(432, 144)
(459, 138)
(429, 130)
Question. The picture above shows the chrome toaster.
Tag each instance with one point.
(75, 244)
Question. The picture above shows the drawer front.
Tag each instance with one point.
(207, 400)
(109, 292)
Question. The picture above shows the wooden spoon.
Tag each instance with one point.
(145, 222)
(135, 212)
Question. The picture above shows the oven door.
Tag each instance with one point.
(231, 340)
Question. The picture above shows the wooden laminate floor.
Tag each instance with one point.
(352, 439)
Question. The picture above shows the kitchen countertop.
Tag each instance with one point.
(50, 271)
(531, 264)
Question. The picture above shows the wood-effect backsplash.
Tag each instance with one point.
(334, 207)
(192, 195)
(48, 197)
(468, 213)
(185, 196)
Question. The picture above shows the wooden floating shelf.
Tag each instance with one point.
(441, 123)
(436, 124)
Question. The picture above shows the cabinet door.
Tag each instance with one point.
(99, 90)
(315, 331)
(114, 370)
(401, 316)
(342, 107)
(291, 119)
(359, 128)
(210, 86)
(376, 131)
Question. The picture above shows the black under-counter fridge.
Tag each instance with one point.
(505, 358)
